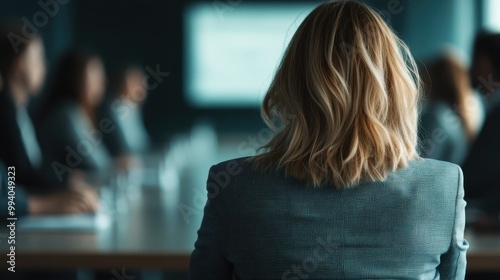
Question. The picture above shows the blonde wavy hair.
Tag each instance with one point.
(343, 102)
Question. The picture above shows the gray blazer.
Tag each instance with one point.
(263, 225)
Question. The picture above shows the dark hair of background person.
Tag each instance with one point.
(445, 79)
(488, 44)
(10, 35)
(69, 83)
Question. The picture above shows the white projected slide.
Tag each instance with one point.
(491, 15)
(231, 55)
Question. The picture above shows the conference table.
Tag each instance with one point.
(158, 231)
(152, 234)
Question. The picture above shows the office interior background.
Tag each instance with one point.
(167, 35)
(208, 65)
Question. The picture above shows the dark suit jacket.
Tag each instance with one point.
(12, 150)
(482, 166)
(262, 225)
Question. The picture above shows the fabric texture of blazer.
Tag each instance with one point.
(264, 225)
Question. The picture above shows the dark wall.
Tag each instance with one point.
(150, 32)
(53, 21)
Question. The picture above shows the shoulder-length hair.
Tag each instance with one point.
(69, 83)
(447, 80)
(343, 102)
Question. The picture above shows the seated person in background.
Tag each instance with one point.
(340, 188)
(481, 167)
(22, 71)
(485, 67)
(452, 114)
(129, 139)
(69, 132)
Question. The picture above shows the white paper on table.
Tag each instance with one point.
(71, 223)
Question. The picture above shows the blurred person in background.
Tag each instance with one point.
(342, 180)
(22, 67)
(124, 108)
(485, 67)
(451, 114)
(482, 181)
(22, 72)
(69, 131)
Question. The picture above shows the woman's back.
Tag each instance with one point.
(362, 203)
(267, 226)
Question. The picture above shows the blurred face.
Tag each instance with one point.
(33, 66)
(94, 83)
(134, 89)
